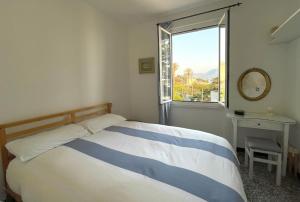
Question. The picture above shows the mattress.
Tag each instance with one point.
(132, 161)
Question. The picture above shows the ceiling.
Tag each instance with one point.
(139, 10)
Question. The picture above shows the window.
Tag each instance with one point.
(198, 68)
(165, 64)
(222, 64)
(193, 59)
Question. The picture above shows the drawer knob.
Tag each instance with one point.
(258, 124)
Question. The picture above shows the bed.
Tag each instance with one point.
(123, 161)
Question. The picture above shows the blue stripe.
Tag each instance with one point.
(189, 181)
(178, 141)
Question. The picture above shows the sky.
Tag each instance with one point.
(197, 50)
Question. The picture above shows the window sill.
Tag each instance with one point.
(197, 105)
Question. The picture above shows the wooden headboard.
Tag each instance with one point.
(43, 123)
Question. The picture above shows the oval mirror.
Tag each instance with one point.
(254, 84)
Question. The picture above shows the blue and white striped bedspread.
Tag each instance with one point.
(197, 165)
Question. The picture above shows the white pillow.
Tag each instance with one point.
(30, 147)
(99, 123)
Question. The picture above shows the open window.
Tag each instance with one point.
(165, 62)
(224, 37)
(194, 59)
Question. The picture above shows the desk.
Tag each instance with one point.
(266, 122)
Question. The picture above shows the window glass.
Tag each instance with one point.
(195, 67)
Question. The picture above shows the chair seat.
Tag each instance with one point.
(263, 144)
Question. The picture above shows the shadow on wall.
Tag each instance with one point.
(211, 120)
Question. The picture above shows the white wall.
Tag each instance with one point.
(143, 87)
(57, 55)
(250, 29)
(292, 88)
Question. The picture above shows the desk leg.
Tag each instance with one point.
(285, 147)
(234, 144)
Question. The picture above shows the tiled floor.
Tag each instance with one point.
(263, 189)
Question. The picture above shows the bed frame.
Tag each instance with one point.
(42, 123)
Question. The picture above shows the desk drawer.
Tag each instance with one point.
(260, 124)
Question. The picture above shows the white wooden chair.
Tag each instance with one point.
(265, 146)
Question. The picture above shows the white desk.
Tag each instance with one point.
(267, 122)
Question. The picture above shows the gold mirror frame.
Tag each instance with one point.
(266, 91)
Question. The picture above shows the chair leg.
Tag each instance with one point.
(269, 165)
(251, 164)
(278, 172)
(290, 162)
